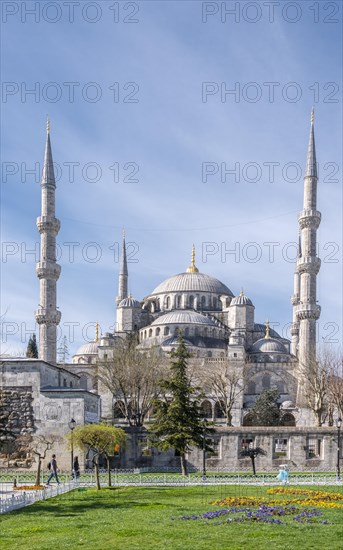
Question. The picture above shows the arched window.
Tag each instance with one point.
(266, 382)
(168, 302)
(158, 330)
(64, 382)
(70, 384)
(166, 331)
(145, 334)
(219, 409)
(186, 331)
(191, 301)
(288, 420)
(206, 409)
(150, 332)
(203, 302)
(209, 354)
(205, 331)
(214, 302)
(178, 302)
(118, 410)
(251, 387)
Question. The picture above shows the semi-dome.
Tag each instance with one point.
(89, 348)
(287, 405)
(268, 345)
(192, 282)
(129, 302)
(241, 300)
(183, 317)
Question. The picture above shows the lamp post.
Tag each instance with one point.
(204, 450)
(72, 425)
(338, 424)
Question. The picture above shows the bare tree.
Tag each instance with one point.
(133, 377)
(40, 446)
(335, 383)
(225, 382)
(323, 387)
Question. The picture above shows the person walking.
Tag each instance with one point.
(76, 468)
(53, 470)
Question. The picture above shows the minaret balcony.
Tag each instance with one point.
(307, 311)
(46, 316)
(309, 218)
(48, 270)
(48, 224)
(308, 264)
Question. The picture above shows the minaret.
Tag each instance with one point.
(307, 311)
(295, 299)
(48, 271)
(123, 274)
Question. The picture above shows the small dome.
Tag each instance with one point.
(129, 302)
(174, 341)
(241, 300)
(184, 317)
(268, 345)
(287, 405)
(89, 348)
(192, 282)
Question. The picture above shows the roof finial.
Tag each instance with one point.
(47, 124)
(267, 329)
(241, 292)
(123, 232)
(312, 116)
(97, 331)
(192, 268)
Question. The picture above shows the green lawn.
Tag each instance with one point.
(141, 518)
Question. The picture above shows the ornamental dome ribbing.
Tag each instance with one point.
(89, 348)
(183, 317)
(241, 300)
(268, 345)
(192, 282)
(129, 302)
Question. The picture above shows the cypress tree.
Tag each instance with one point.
(178, 422)
(32, 350)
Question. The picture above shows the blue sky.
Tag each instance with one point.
(153, 117)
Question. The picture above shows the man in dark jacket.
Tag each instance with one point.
(53, 470)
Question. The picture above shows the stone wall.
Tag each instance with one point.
(16, 421)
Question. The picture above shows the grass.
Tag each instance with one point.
(138, 518)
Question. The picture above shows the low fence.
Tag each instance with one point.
(24, 498)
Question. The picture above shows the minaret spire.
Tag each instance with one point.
(123, 274)
(306, 310)
(48, 271)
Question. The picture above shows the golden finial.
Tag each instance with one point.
(312, 116)
(241, 292)
(97, 331)
(267, 329)
(192, 268)
(47, 125)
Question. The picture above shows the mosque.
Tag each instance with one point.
(219, 328)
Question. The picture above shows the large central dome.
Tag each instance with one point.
(192, 282)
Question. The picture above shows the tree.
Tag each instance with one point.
(323, 385)
(63, 351)
(266, 411)
(225, 383)
(252, 453)
(40, 446)
(178, 421)
(32, 350)
(133, 378)
(100, 439)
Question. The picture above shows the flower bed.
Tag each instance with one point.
(29, 488)
(319, 499)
